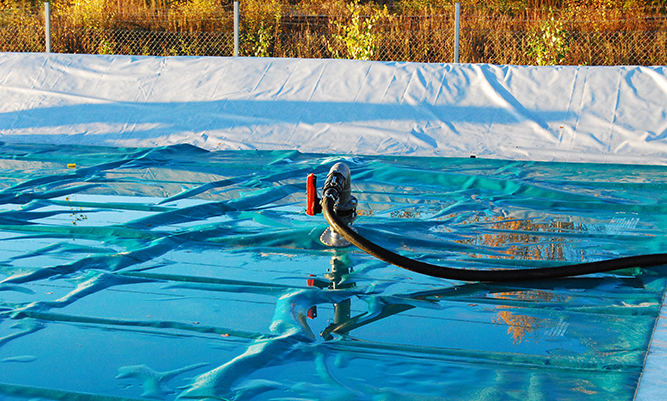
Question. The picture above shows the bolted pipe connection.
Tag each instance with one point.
(337, 187)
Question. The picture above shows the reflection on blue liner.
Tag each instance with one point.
(176, 273)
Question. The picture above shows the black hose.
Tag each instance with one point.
(483, 275)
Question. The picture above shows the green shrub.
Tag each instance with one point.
(549, 44)
(358, 34)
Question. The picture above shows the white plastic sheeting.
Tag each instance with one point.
(571, 114)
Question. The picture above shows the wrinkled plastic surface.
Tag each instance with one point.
(177, 272)
(551, 113)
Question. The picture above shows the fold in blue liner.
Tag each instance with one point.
(176, 273)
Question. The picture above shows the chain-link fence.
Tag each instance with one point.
(523, 39)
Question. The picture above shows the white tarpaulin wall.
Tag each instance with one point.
(571, 114)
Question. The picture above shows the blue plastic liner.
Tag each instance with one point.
(176, 272)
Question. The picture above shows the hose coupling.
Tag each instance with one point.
(338, 188)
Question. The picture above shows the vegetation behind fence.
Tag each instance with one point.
(574, 32)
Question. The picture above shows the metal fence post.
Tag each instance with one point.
(457, 26)
(236, 29)
(47, 25)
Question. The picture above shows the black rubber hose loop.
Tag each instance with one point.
(499, 275)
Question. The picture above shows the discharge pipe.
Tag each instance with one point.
(337, 189)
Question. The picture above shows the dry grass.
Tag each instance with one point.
(504, 31)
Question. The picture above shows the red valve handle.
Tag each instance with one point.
(313, 206)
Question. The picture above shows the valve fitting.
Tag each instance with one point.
(337, 187)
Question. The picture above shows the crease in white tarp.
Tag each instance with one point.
(571, 114)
